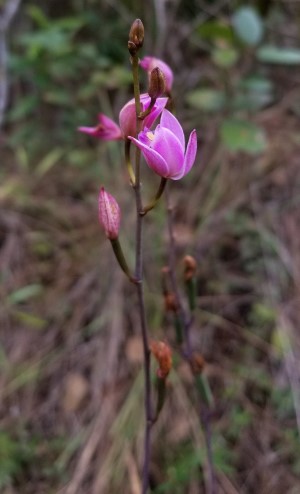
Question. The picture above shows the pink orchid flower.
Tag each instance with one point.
(109, 214)
(127, 117)
(149, 63)
(108, 130)
(164, 148)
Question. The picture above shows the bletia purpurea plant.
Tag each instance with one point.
(149, 131)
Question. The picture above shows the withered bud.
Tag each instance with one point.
(157, 83)
(171, 304)
(197, 363)
(162, 352)
(136, 35)
(190, 266)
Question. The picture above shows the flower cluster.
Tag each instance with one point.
(163, 147)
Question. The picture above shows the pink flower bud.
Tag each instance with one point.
(109, 214)
(149, 63)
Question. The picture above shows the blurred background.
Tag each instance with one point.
(71, 384)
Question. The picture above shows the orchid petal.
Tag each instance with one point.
(154, 160)
(170, 122)
(87, 130)
(155, 112)
(169, 147)
(191, 152)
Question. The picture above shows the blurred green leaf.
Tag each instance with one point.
(253, 93)
(49, 161)
(248, 25)
(24, 107)
(210, 100)
(30, 320)
(25, 293)
(240, 135)
(256, 83)
(276, 55)
(38, 16)
(215, 30)
(225, 57)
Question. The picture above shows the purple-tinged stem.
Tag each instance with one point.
(139, 281)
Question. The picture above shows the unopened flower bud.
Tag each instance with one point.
(190, 266)
(163, 355)
(109, 214)
(157, 83)
(197, 363)
(171, 304)
(136, 36)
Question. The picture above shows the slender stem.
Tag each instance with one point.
(185, 321)
(139, 278)
(182, 316)
(158, 195)
(118, 251)
(128, 161)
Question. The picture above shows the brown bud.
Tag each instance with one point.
(197, 363)
(157, 83)
(165, 270)
(136, 35)
(171, 304)
(162, 352)
(190, 266)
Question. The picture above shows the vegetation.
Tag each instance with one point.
(70, 355)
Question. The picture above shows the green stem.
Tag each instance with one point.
(161, 395)
(191, 293)
(158, 195)
(121, 258)
(128, 161)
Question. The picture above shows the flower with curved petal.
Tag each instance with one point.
(164, 148)
(149, 63)
(127, 116)
(106, 130)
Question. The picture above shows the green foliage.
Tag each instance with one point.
(25, 293)
(248, 25)
(240, 135)
(278, 55)
(10, 458)
(183, 467)
(206, 99)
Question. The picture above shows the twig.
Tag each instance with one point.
(186, 322)
(6, 17)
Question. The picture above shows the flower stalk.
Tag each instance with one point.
(152, 204)
(139, 274)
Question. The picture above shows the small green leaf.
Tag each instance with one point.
(240, 135)
(206, 99)
(282, 56)
(30, 320)
(215, 30)
(248, 25)
(25, 293)
(48, 161)
(225, 57)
